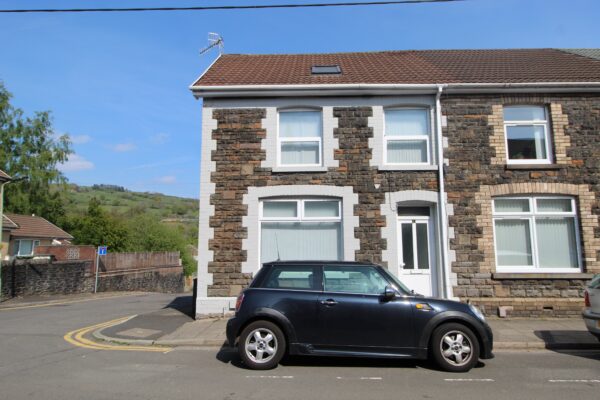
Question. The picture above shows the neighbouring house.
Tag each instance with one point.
(26, 232)
(4, 236)
(469, 174)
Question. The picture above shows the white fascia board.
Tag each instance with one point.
(388, 89)
(204, 72)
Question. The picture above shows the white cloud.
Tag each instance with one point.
(123, 147)
(80, 139)
(75, 163)
(167, 180)
(160, 138)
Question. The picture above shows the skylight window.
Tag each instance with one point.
(326, 70)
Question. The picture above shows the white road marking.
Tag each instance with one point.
(362, 378)
(574, 380)
(270, 376)
(468, 380)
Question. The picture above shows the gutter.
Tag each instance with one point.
(388, 89)
(442, 213)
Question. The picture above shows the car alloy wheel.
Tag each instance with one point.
(456, 348)
(261, 345)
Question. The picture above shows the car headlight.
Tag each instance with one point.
(477, 312)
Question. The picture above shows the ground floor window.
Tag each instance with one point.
(301, 229)
(536, 234)
(25, 247)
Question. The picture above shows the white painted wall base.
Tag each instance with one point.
(214, 306)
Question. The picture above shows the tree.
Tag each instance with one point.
(29, 148)
(149, 234)
(98, 228)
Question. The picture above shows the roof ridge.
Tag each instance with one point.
(394, 51)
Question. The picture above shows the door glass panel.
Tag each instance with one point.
(422, 246)
(513, 242)
(359, 279)
(407, 246)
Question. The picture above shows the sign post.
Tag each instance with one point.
(102, 250)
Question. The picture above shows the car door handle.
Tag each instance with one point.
(329, 302)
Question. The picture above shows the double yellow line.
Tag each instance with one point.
(77, 338)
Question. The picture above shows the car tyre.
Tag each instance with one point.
(454, 347)
(261, 345)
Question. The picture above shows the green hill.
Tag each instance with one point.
(118, 200)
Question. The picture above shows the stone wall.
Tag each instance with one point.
(477, 172)
(238, 157)
(33, 277)
(42, 277)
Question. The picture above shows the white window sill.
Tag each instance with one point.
(542, 275)
(407, 168)
(300, 169)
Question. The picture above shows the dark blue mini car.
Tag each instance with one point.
(351, 309)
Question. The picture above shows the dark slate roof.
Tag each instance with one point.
(405, 67)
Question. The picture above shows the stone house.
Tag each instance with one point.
(470, 174)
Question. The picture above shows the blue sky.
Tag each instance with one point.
(118, 83)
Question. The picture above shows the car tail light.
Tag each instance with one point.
(586, 296)
(238, 302)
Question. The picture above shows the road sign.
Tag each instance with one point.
(102, 250)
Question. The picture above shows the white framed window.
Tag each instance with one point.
(25, 247)
(300, 138)
(407, 136)
(301, 229)
(526, 131)
(536, 234)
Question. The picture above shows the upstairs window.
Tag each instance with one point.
(536, 234)
(300, 138)
(407, 136)
(526, 131)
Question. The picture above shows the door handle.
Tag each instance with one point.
(329, 302)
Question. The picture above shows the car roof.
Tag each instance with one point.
(320, 262)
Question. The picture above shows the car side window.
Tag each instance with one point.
(296, 277)
(358, 279)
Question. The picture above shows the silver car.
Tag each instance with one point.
(591, 314)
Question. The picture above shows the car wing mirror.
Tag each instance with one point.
(389, 293)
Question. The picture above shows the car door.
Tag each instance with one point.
(294, 291)
(353, 314)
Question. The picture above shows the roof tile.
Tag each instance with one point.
(405, 67)
(36, 227)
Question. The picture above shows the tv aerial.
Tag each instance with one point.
(214, 40)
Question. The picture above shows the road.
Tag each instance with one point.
(37, 363)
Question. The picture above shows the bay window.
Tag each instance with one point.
(301, 229)
(526, 130)
(300, 138)
(536, 234)
(406, 136)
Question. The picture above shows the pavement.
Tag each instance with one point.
(174, 326)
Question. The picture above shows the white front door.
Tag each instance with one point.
(416, 255)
